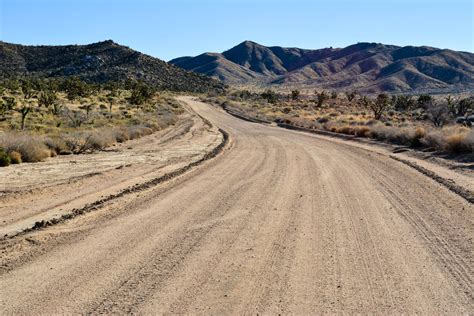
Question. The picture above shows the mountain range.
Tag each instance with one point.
(99, 62)
(366, 67)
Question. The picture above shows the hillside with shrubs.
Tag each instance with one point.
(99, 63)
(41, 118)
(442, 124)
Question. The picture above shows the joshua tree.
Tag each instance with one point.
(47, 98)
(76, 88)
(379, 106)
(110, 100)
(141, 93)
(7, 104)
(77, 118)
(295, 95)
(424, 101)
(464, 106)
(321, 97)
(351, 95)
(403, 102)
(88, 108)
(27, 89)
(270, 96)
(24, 110)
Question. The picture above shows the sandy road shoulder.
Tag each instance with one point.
(49, 192)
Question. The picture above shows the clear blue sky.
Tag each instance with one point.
(173, 28)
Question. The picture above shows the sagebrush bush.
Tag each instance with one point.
(57, 145)
(433, 139)
(461, 142)
(100, 140)
(121, 135)
(31, 148)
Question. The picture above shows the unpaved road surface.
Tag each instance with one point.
(280, 222)
(33, 192)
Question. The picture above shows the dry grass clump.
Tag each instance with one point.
(25, 147)
(400, 136)
(461, 141)
(139, 131)
(57, 145)
(362, 131)
(15, 157)
(457, 140)
(31, 148)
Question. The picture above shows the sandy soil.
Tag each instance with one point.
(41, 191)
(280, 222)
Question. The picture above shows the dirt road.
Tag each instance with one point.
(280, 222)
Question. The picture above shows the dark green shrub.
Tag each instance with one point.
(4, 158)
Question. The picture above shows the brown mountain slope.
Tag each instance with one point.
(99, 62)
(217, 66)
(368, 67)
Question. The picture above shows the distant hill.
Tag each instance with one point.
(99, 62)
(367, 67)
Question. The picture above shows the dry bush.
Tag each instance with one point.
(401, 136)
(77, 142)
(346, 129)
(139, 131)
(30, 147)
(99, 140)
(121, 135)
(166, 120)
(57, 145)
(433, 139)
(362, 131)
(15, 157)
(460, 142)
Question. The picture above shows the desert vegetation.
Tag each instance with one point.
(438, 123)
(41, 118)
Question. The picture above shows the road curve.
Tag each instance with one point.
(283, 222)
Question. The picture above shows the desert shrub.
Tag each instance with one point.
(401, 136)
(141, 93)
(460, 141)
(321, 97)
(403, 102)
(433, 139)
(418, 135)
(15, 157)
(56, 144)
(139, 131)
(438, 113)
(295, 95)
(30, 147)
(4, 158)
(378, 132)
(351, 95)
(346, 129)
(75, 142)
(121, 135)
(270, 96)
(99, 140)
(362, 131)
